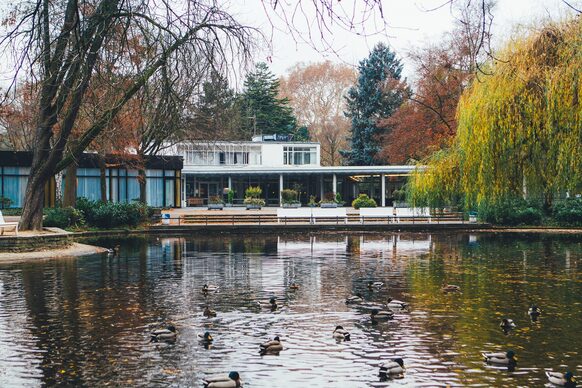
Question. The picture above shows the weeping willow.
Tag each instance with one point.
(519, 128)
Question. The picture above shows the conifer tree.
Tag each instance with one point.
(377, 94)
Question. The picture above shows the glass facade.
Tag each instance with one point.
(299, 155)
(13, 185)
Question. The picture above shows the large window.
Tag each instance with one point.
(14, 184)
(299, 155)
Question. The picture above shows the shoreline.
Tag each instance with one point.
(74, 250)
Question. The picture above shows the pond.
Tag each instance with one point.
(88, 321)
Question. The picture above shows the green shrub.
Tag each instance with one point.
(215, 200)
(253, 192)
(568, 212)
(312, 202)
(363, 201)
(108, 214)
(328, 197)
(63, 217)
(230, 196)
(289, 196)
(338, 198)
(254, 201)
(511, 212)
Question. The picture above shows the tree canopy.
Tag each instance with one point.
(519, 126)
(377, 94)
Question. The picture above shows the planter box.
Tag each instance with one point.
(254, 207)
(328, 205)
(215, 206)
(228, 204)
(291, 205)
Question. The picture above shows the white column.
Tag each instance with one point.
(280, 189)
(334, 184)
(184, 199)
(321, 186)
(230, 182)
(383, 188)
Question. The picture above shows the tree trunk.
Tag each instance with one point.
(70, 197)
(103, 178)
(142, 185)
(31, 218)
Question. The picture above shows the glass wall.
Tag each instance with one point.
(299, 155)
(14, 180)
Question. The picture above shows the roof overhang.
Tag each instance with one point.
(299, 170)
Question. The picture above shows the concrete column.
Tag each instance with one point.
(334, 184)
(280, 189)
(383, 188)
(321, 186)
(230, 182)
(184, 199)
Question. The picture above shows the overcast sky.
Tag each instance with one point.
(410, 24)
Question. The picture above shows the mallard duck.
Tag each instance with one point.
(354, 299)
(209, 288)
(272, 304)
(294, 286)
(562, 379)
(507, 358)
(113, 252)
(396, 304)
(208, 312)
(451, 288)
(393, 367)
(534, 311)
(381, 315)
(507, 323)
(372, 285)
(271, 346)
(167, 334)
(205, 337)
(341, 334)
(232, 380)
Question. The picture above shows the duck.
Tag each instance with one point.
(232, 380)
(341, 334)
(167, 334)
(507, 323)
(209, 288)
(113, 252)
(354, 299)
(205, 337)
(208, 312)
(507, 358)
(381, 315)
(534, 311)
(393, 367)
(372, 285)
(294, 286)
(562, 379)
(396, 304)
(451, 288)
(271, 346)
(272, 304)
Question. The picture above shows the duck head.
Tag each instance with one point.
(205, 287)
(370, 284)
(511, 355)
(276, 339)
(375, 312)
(339, 328)
(534, 308)
(273, 300)
(569, 376)
(172, 328)
(208, 337)
(399, 361)
(234, 376)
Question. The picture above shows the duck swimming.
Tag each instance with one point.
(507, 358)
(208, 312)
(393, 367)
(167, 334)
(451, 288)
(562, 379)
(534, 311)
(341, 334)
(272, 346)
(507, 323)
(205, 337)
(206, 288)
(354, 299)
(381, 315)
(372, 285)
(232, 380)
(396, 304)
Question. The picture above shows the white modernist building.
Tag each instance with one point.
(275, 162)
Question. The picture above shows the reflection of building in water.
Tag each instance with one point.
(329, 245)
(396, 245)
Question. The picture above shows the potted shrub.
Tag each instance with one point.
(338, 199)
(399, 198)
(215, 203)
(253, 198)
(289, 198)
(328, 200)
(230, 197)
(312, 202)
(363, 201)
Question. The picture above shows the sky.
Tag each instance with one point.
(410, 24)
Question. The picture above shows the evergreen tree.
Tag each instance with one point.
(376, 95)
(217, 113)
(262, 108)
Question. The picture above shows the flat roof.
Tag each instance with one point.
(254, 170)
(243, 142)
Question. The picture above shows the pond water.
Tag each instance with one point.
(88, 321)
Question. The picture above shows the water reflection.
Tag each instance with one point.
(89, 321)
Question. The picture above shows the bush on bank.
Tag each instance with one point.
(64, 217)
(511, 212)
(109, 214)
(568, 212)
(363, 201)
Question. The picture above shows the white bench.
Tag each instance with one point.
(412, 212)
(376, 212)
(301, 212)
(336, 213)
(7, 225)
